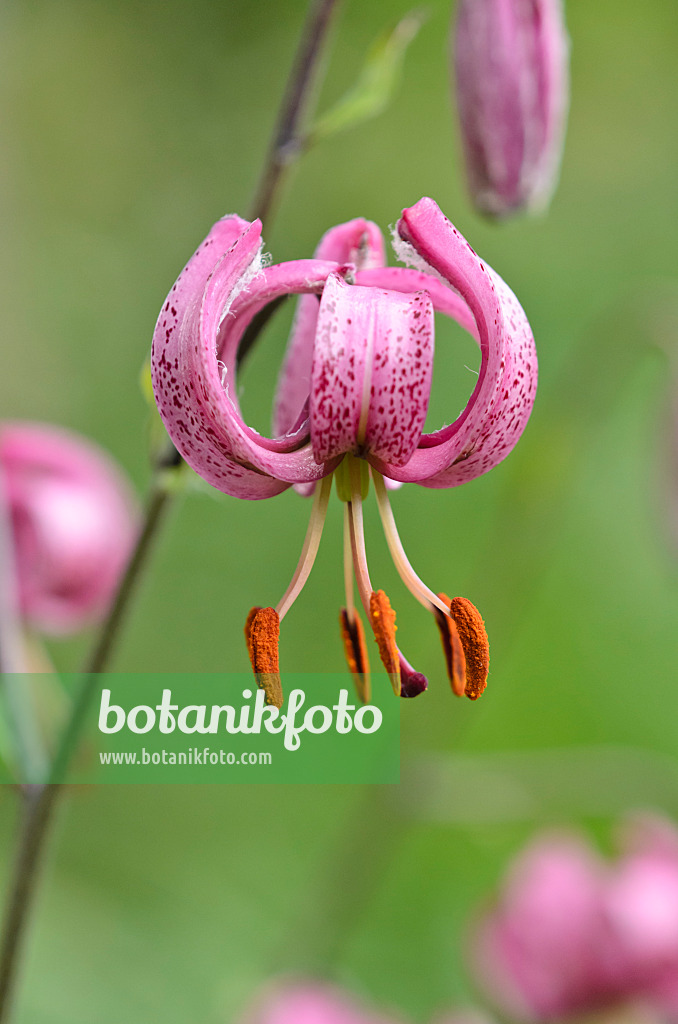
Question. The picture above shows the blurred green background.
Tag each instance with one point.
(127, 129)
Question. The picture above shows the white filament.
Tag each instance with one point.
(310, 548)
(407, 574)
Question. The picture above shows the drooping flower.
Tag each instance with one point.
(511, 69)
(309, 1002)
(73, 520)
(572, 934)
(351, 403)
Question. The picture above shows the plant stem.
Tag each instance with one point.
(37, 807)
(287, 142)
(40, 801)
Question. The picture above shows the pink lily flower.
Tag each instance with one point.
(547, 950)
(309, 1002)
(73, 520)
(351, 404)
(572, 934)
(511, 67)
(642, 904)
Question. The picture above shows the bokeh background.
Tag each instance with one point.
(127, 129)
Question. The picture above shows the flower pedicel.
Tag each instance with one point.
(351, 404)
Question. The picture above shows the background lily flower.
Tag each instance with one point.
(511, 70)
(353, 394)
(73, 521)
(573, 934)
(309, 1002)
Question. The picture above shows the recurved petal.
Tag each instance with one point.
(358, 242)
(178, 385)
(193, 364)
(371, 373)
(502, 400)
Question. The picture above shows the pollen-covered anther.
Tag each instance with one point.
(384, 626)
(452, 648)
(355, 650)
(262, 632)
(471, 629)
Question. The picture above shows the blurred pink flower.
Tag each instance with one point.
(511, 66)
(73, 521)
(572, 933)
(309, 1002)
(642, 906)
(352, 399)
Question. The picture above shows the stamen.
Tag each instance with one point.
(407, 574)
(382, 618)
(262, 631)
(310, 548)
(452, 647)
(475, 643)
(412, 683)
(353, 635)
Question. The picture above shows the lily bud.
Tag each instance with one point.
(73, 519)
(512, 87)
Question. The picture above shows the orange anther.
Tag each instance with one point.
(452, 647)
(383, 624)
(471, 629)
(262, 631)
(353, 635)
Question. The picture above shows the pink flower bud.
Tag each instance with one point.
(546, 950)
(511, 67)
(572, 934)
(642, 904)
(309, 1002)
(73, 522)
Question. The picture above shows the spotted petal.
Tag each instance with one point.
(358, 242)
(371, 374)
(502, 400)
(193, 362)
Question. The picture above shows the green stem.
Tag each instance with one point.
(287, 143)
(40, 800)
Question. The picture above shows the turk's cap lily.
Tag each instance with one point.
(511, 69)
(73, 521)
(572, 933)
(351, 403)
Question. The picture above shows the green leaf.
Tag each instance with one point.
(376, 85)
